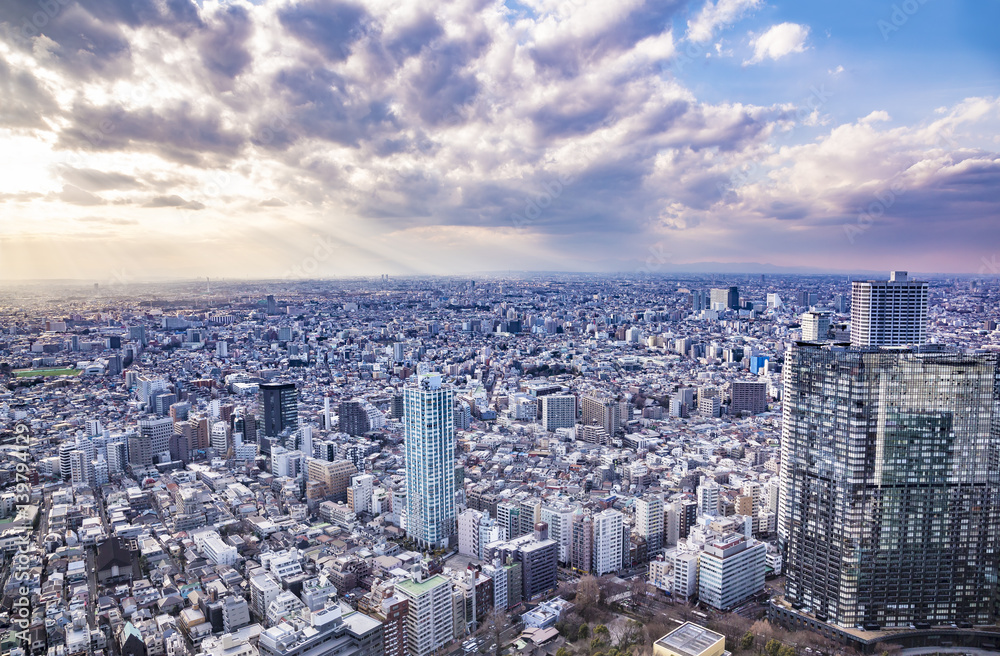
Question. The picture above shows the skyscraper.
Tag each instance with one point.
(889, 312)
(430, 460)
(889, 504)
(281, 407)
(725, 298)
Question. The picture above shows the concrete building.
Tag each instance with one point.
(558, 411)
(731, 570)
(430, 461)
(691, 640)
(608, 542)
(815, 325)
(749, 397)
(889, 484)
(429, 622)
(649, 516)
(889, 312)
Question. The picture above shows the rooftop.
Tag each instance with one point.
(689, 639)
(415, 589)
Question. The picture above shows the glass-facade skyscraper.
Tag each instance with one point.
(889, 504)
(281, 407)
(428, 418)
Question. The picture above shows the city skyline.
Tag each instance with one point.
(323, 139)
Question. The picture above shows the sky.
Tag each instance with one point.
(147, 139)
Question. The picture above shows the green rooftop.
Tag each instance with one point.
(414, 589)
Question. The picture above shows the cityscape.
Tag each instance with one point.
(495, 465)
(499, 328)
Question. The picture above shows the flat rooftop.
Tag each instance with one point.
(689, 639)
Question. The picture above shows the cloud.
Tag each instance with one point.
(107, 220)
(716, 15)
(554, 125)
(174, 201)
(778, 41)
(76, 196)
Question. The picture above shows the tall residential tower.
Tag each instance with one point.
(430, 461)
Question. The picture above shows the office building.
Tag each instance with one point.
(731, 570)
(157, 432)
(430, 461)
(725, 298)
(558, 411)
(281, 408)
(815, 325)
(749, 397)
(889, 503)
(335, 476)
(358, 417)
(889, 312)
(690, 640)
(336, 629)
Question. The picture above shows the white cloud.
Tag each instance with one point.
(715, 15)
(780, 40)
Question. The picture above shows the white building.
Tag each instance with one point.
(731, 571)
(428, 408)
(815, 325)
(684, 565)
(608, 541)
(475, 530)
(649, 516)
(360, 492)
(429, 622)
(219, 552)
(709, 498)
(559, 517)
(889, 312)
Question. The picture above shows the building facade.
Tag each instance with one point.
(430, 461)
(889, 312)
(889, 502)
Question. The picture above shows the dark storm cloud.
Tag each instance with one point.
(318, 104)
(88, 36)
(329, 26)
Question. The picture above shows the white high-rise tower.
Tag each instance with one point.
(430, 460)
(889, 312)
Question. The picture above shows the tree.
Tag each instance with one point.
(772, 647)
(583, 633)
(746, 642)
(588, 594)
(495, 622)
(562, 651)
